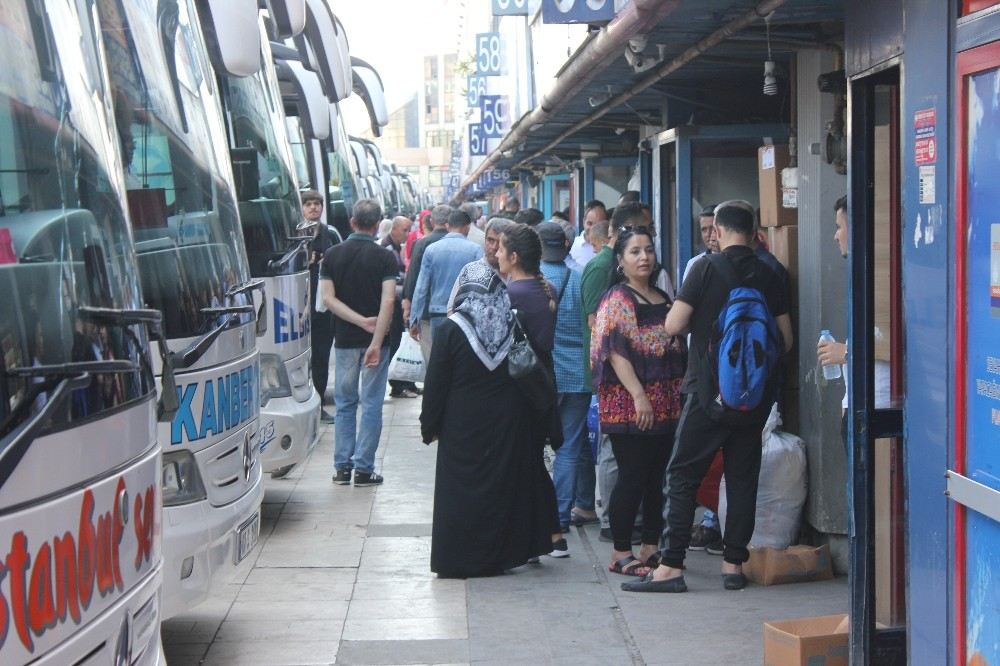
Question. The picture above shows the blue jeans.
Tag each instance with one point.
(354, 448)
(574, 485)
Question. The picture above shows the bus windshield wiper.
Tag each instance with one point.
(261, 326)
(114, 366)
(218, 311)
(123, 318)
(16, 443)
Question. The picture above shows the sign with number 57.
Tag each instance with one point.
(489, 55)
(477, 140)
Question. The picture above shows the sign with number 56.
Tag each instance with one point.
(477, 140)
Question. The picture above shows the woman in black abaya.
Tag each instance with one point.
(485, 516)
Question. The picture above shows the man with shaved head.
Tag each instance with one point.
(393, 242)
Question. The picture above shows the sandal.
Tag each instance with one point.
(629, 566)
(578, 519)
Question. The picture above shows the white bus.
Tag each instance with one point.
(80, 513)
(270, 210)
(193, 268)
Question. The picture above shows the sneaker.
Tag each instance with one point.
(559, 549)
(704, 537)
(342, 477)
(714, 548)
(362, 479)
(325, 416)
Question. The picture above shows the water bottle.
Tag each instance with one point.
(830, 372)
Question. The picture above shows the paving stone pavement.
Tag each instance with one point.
(341, 576)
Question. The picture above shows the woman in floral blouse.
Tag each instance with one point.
(638, 370)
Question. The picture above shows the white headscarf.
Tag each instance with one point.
(482, 310)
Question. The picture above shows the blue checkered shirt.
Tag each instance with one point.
(568, 351)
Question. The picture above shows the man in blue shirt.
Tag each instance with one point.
(439, 266)
(573, 470)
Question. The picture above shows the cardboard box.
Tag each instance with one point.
(783, 243)
(770, 161)
(808, 641)
(795, 564)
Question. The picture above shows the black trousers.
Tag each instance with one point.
(698, 438)
(642, 460)
(322, 342)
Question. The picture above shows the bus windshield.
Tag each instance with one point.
(268, 196)
(64, 242)
(184, 216)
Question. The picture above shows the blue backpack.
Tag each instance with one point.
(744, 350)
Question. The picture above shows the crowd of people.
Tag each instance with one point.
(521, 322)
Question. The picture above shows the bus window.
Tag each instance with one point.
(185, 221)
(64, 241)
(268, 197)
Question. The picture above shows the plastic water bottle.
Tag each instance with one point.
(830, 372)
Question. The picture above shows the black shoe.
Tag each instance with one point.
(704, 537)
(670, 585)
(325, 417)
(342, 477)
(736, 581)
(363, 479)
(605, 535)
(559, 549)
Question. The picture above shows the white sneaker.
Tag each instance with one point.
(560, 549)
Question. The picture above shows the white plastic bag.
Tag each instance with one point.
(407, 365)
(782, 488)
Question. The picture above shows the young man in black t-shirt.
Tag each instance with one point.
(358, 285)
(699, 303)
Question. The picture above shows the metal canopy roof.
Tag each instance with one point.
(722, 85)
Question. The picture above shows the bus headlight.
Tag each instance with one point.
(273, 378)
(181, 481)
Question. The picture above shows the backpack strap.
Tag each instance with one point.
(724, 267)
(562, 289)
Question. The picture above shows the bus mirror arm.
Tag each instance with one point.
(277, 264)
(16, 444)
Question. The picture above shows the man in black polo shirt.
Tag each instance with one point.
(699, 303)
(358, 285)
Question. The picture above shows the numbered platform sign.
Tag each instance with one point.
(477, 140)
(510, 7)
(476, 88)
(577, 11)
(489, 54)
(495, 115)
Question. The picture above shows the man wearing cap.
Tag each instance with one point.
(321, 321)
(573, 470)
(439, 266)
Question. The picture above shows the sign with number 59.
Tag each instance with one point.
(494, 117)
(489, 56)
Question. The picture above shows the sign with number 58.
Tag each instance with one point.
(489, 54)
(510, 7)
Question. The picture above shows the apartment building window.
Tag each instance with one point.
(439, 138)
(450, 67)
(431, 103)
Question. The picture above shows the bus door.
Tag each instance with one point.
(974, 478)
(876, 490)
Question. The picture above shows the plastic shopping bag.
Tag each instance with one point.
(407, 365)
(782, 489)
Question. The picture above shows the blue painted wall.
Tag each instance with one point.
(928, 263)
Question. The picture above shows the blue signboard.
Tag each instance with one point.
(489, 54)
(492, 178)
(982, 418)
(510, 7)
(477, 140)
(495, 112)
(577, 11)
(476, 88)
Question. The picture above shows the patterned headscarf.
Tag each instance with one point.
(482, 310)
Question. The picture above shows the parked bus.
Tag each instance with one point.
(193, 268)
(270, 209)
(80, 468)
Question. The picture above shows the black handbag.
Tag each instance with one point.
(521, 359)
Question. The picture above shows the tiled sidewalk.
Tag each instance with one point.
(342, 577)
